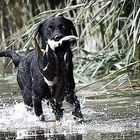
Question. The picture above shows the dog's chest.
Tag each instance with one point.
(59, 71)
(58, 74)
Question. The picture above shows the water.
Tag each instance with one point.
(111, 117)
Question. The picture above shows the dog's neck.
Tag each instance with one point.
(61, 55)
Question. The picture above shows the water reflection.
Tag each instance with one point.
(43, 135)
(7, 136)
(37, 135)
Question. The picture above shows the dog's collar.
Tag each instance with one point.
(43, 51)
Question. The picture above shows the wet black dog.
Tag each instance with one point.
(47, 73)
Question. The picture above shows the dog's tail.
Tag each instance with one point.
(13, 55)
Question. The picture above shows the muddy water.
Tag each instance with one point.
(109, 117)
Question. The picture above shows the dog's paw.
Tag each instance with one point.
(57, 123)
(29, 108)
(79, 120)
(42, 117)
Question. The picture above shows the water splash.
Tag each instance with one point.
(15, 118)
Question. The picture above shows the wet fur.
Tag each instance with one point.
(30, 76)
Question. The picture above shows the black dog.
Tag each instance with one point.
(47, 73)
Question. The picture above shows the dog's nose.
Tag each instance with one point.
(57, 37)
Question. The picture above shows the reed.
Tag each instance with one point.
(109, 38)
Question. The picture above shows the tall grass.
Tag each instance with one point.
(109, 39)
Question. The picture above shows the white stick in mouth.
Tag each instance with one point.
(54, 44)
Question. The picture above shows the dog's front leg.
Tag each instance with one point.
(57, 109)
(71, 98)
(38, 107)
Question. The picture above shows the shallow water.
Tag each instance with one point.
(110, 118)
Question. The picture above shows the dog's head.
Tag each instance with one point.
(54, 29)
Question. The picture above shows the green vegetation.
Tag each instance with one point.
(109, 36)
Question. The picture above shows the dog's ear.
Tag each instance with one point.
(37, 30)
(39, 33)
(39, 52)
(71, 25)
(73, 30)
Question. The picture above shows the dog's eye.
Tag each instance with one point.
(50, 29)
(62, 27)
